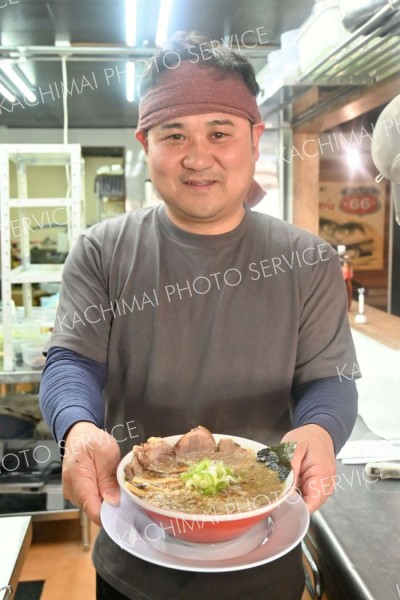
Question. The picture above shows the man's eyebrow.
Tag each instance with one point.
(171, 126)
(178, 125)
(220, 122)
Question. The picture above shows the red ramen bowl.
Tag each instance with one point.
(206, 528)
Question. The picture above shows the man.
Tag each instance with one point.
(198, 312)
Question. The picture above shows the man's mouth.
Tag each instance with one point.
(199, 182)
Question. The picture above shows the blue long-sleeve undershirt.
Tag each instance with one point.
(330, 402)
(71, 391)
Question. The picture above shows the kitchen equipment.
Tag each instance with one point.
(383, 470)
(360, 316)
(16, 427)
(356, 12)
(385, 149)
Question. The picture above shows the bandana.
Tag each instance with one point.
(188, 89)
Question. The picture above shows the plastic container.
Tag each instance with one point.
(275, 61)
(32, 354)
(289, 39)
(274, 78)
(290, 53)
(320, 34)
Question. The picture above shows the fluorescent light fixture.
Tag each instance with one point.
(130, 81)
(6, 67)
(6, 93)
(62, 43)
(130, 22)
(163, 21)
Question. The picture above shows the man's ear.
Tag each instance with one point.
(258, 130)
(141, 137)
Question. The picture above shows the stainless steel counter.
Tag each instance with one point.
(355, 537)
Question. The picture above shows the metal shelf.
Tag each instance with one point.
(369, 55)
(19, 375)
(39, 202)
(41, 154)
(366, 56)
(37, 274)
(24, 156)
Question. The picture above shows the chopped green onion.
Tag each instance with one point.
(209, 476)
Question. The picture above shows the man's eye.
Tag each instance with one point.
(175, 136)
(219, 135)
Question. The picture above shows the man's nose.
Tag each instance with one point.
(198, 156)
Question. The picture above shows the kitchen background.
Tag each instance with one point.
(327, 68)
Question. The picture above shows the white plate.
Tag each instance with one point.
(273, 537)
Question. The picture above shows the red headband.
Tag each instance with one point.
(188, 89)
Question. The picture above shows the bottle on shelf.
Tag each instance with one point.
(347, 271)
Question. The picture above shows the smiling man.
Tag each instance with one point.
(201, 131)
(221, 338)
(202, 167)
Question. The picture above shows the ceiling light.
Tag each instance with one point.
(62, 43)
(130, 22)
(130, 81)
(6, 67)
(6, 93)
(163, 21)
(353, 158)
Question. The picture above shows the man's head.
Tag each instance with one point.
(194, 50)
(200, 126)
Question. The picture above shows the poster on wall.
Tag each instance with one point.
(354, 215)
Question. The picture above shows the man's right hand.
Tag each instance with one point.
(89, 468)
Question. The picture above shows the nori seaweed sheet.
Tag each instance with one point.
(278, 458)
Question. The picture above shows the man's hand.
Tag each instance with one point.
(89, 468)
(314, 463)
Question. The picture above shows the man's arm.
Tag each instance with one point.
(71, 390)
(72, 404)
(324, 415)
(330, 403)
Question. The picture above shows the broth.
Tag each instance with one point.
(257, 486)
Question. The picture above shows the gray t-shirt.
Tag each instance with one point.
(206, 330)
(203, 329)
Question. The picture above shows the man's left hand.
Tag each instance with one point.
(314, 463)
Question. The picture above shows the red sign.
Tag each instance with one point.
(360, 204)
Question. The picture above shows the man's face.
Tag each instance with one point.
(202, 166)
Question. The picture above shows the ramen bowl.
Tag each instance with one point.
(207, 528)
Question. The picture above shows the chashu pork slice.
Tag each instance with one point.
(229, 447)
(153, 451)
(196, 440)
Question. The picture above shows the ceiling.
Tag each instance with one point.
(31, 32)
